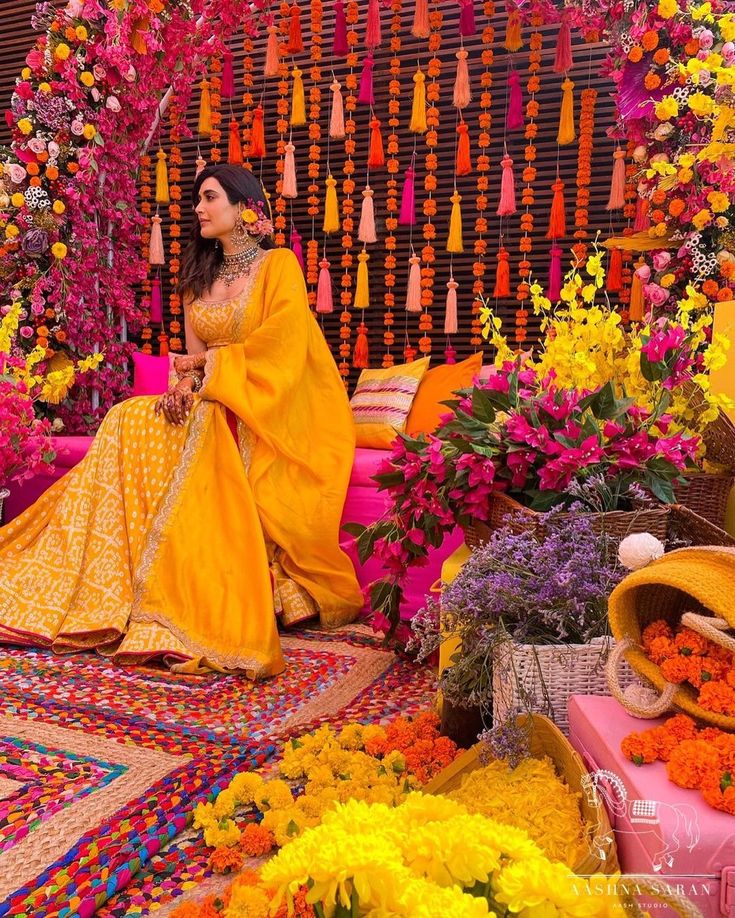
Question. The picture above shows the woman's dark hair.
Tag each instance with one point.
(201, 257)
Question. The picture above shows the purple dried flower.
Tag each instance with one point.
(508, 741)
(51, 110)
(35, 242)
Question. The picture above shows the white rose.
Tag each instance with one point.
(53, 149)
(95, 93)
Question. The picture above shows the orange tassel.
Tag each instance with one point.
(513, 40)
(413, 292)
(234, 147)
(614, 280)
(557, 218)
(502, 275)
(464, 162)
(617, 184)
(272, 57)
(295, 40)
(462, 93)
(257, 135)
(376, 157)
(635, 308)
(361, 354)
(421, 27)
(289, 172)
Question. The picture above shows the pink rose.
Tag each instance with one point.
(661, 260)
(74, 9)
(655, 294)
(26, 331)
(113, 103)
(95, 93)
(99, 72)
(34, 59)
(77, 128)
(37, 145)
(130, 74)
(17, 173)
(728, 52)
(24, 90)
(706, 39)
(53, 150)
(644, 272)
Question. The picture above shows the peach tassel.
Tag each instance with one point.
(337, 120)
(617, 184)
(462, 92)
(450, 313)
(156, 254)
(324, 300)
(507, 205)
(201, 165)
(366, 232)
(289, 172)
(421, 27)
(413, 293)
(298, 105)
(272, 56)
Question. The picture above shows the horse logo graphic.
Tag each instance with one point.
(644, 816)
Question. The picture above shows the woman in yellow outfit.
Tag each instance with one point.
(196, 517)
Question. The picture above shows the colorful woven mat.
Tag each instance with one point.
(101, 766)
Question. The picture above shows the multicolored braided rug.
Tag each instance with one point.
(101, 766)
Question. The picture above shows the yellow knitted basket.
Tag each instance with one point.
(700, 580)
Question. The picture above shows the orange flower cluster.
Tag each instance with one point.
(217, 905)
(226, 860)
(584, 171)
(425, 751)
(175, 160)
(392, 204)
(146, 208)
(685, 656)
(282, 122)
(248, 82)
(697, 759)
(255, 840)
(315, 152)
(215, 97)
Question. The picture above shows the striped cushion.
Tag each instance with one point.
(382, 400)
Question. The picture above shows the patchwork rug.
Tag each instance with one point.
(100, 766)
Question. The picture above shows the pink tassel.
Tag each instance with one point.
(337, 120)
(296, 246)
(228, 77)
(289, 173)
(340, 47)
(467, 25)
(156, 254)
(413, 294)
(450, 314)
(554, 291)
(563, 59)
(507, 205)
(373, 37)
(462, 92)
(201, 163)
(366, 232)
(421, 27)
(617, 184)
(407, 216)
(272, 57)
(642, 220)
(515, 120)
(324, 302)
(156, 300)
(366, 94)
(450, 355)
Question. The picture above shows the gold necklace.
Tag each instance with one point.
(236, 265)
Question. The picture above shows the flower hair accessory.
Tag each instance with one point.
(256, 219)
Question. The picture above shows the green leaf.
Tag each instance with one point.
(482, 407)
(662, 489)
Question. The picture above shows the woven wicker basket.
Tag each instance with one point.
(706, 494)
(616, 524)
(719, 435)
(4, 493)
(541, 677)
(547, 740)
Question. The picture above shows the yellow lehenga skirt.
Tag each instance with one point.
(179, 544)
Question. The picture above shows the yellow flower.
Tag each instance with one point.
(17, 200)
(667, 108)
(62, 51)
(245, 785)
(89, 131)
(685, 176)
(87, 78)
(59, 250)
(702, 219)
(727, 27)
(11, 231)
(667, 8)
(275, 794)
(26, 73)
(701, 104)
(667, 280)
(58, 207)
(703, 12)
(249, 216)
(25, 125)
(224, 804)
(204, 816)
(44, 87)
(224, 833)
(81, 33)
(56, 385)
(718, 201)
(89, 363)
(686, 159)
(350, 736)
(247, 902)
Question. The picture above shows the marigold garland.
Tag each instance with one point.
(283, 106)
(146, 209)
(215, 97)
(247, 97)
(315, 152)
(176, 161)
(588, 101)
(529, 176)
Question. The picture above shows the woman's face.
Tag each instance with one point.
(216, 215)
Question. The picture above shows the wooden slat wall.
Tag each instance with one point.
(17, 37)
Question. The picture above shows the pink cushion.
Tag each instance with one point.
(150, 374)
(70, 450)
(366, 464)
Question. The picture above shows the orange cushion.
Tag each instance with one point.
(437, 386)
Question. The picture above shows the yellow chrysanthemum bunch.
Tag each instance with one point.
(51, 386)
(420, 859)
(585, 346)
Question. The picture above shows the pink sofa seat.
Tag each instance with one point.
(364, 504)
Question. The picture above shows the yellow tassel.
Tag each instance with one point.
(566, 134)
(455, 243)
(723, 121)
(331, 207)
(418, 110)
(513, 40)
(162, 196)
(362, 291)
(205, 110)
(298, 105)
